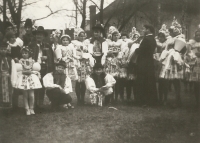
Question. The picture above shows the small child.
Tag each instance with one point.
(28, 80)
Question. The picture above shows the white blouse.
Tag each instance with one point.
(48, 82)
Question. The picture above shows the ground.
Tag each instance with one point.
(128, 124)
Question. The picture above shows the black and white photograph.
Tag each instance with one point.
(99, 71)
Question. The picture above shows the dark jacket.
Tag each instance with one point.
(146, 82)
(47, 51)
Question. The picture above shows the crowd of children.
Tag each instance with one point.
(106, 67)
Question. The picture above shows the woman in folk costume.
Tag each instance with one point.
(119, 50)
(14, 45)
(69, 56)
(195, 71)
(161, 42)
(98, 46)
(100, 85)
(56, 46)
(5, 80)
(28, 80)
(85, 62)
(172, 59)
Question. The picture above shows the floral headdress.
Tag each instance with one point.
(164, 30)
(134, 32)
(176, 27)
(25, 48)
(56, 33)
(112, 30)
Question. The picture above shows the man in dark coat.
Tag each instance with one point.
(43, 54)
(146, 82)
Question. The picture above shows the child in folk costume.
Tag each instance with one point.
(172, 59)
(56, 46)
(195, 73)
(28, 80)
(69, 56)
(131, 69)
(98, 46)
(161, 42)
(85, 62)
(190, 60)
(99, 85)
(14, 46)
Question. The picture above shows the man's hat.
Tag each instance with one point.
(28, 23)
(61, 63)
(40, 29)
(97, 66)
(98, 27)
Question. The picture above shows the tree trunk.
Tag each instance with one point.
(84, 14)
(101, 11)
(4, 15)
(19, 12)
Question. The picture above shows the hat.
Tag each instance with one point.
(8, 24)
(98, 27)
(176, 27)
(28, 23)
(61, 63)
(164, 30)
(40, 29)
(65, 36)
(97, 66)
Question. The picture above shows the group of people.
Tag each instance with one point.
(105, 66)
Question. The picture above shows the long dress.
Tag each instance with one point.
(5, 82)
(28, 82)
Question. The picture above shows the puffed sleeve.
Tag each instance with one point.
(90, 84)
(48, 81)
(110, 81)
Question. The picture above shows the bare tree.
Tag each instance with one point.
(81, 7)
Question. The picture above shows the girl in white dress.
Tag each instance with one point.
(28, 79)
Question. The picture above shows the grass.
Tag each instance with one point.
(128, 124)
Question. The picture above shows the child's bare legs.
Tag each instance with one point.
(25, 97)
(31, 101)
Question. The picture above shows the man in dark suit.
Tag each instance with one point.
(43, 54)
(146, 82)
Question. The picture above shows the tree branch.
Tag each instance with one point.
(95, 4)
(52, 14)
